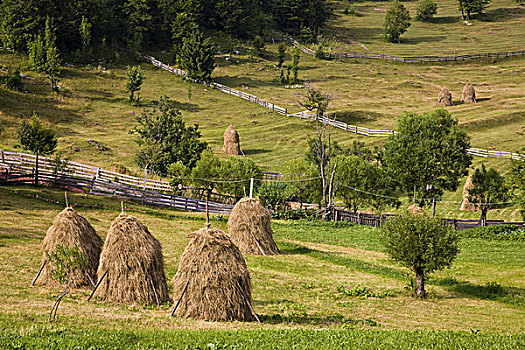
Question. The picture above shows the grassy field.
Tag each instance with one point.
(330, 276)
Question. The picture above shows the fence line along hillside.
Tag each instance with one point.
(309, 115)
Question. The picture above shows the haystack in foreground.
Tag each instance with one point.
(250, 228)
(469, 94)
(445, 98)
(217, 279)
(416, 210)
(231, 142)
(133, 260)
(465, 204)
(70, 229)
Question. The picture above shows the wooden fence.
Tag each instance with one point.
(309, 115)
(377, 220)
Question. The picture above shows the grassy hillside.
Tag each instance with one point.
(308, 287)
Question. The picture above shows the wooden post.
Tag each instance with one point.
(251, 187)
(154, 291)
(98, 285)
(67, 202)
(180, 299)
(249, 304)
(39, 272)
(207, 208)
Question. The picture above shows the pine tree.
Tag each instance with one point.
(197, 57)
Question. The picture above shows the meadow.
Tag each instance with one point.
(332, 284)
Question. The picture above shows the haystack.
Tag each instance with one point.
(445, 98)
(70, 229)
(465, 204)
(133, 260)
(231, 141)
(250, 228)
(416, 210)
(469, 94)
(214, 276)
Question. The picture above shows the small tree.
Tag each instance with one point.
(197, 56)
(13, 80)
(426, 9)
(488, 191)
(182, 26)
(43, 56)
(518, 183)
(295, 64)
(319, 52)
(304, 183)
(468, 7)
(281, 55)
(64, 261)
(258, 45)
(85, 34)
(397, 21)
(134, 83)
(36, 138)
(420, 244)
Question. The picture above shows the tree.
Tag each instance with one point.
(43, 54)
(428, 155)
(134, 83)
(197, 56)
(138, 18)
(13, 80)
(303, 181)
(397, 21)
(518, 183)
(258, 45)
(64, 260)
(281, 55)
(85, 34)
(183, 25)
(295, 64)
(421, 244)
(488, 191)
(319, 52)
(38, 139)
(468, 7)
(165, 139)
(426, 9)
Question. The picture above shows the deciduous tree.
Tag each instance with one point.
(397, 21)
(488, 191)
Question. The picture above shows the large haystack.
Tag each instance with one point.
(250, 228)
(469, 94)
(133, 260)
(416, 210)
(70, 229)
(217, 276)
(445, 98)
(465, 204)
(231, 142)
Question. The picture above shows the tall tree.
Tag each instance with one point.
(397, 21)
(518, 183)
(139, 21)
(488, 191)
(37, 138)
(428, 155)
(197, 57)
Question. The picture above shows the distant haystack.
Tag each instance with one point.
(469, 94)
(213, 279)
(133, 260)
(416, 210)
(445, 98)
(231, 142)
(250, 228)
(465, 204)
(70, 229)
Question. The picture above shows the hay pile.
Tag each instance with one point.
(445, 98)
(70, 229)
(216, 271)
(465, 204)
(416, 210)
(231, 142)
(250, 228)
(469, 94)
(133, 259)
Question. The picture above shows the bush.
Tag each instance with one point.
(273, 196)
(13, 80)
(426, 9)
(397, 21)
(294, 214)
(496, 232)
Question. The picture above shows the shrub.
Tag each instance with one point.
(273, 196)
(496, 232)
(397, 21)
(13, 80)
(426, 9)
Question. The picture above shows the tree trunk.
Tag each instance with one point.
(483, 219)
(420, 283)
(36, 170)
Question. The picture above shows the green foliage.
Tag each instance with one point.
(138, 19)
(488, 191)
(315, 100)
(295, 64)
(197, 56)
(272, 195)
(397, 21)
(426, 9)
(13, 80)
(133, 84)
(319, 52)
(428, 153)
(65, 260)
(258, 44)
(165, 139)
(36, 138)
(362, 292)
(518, 183)
(468, 7)
(43, 54)
(183, 25)
(85, 34)
(281, 55)
(420, 244)
(496, 232)
(307, 36)
(294, 16)
(303, 182)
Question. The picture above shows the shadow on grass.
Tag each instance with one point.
(9, 233)
(306, 319)
(502, 14)
(423, 39)
(248, 152)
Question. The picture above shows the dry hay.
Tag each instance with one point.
(250, 228)
(469, 94)
(445, 98)
(465, 204)
(231, 142)
(70, 229)
(133, 259)
(416, 210)
(217, 276)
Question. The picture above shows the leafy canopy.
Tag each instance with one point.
(397, 21)
(488, 191)
(197, 56)
(36, 138)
